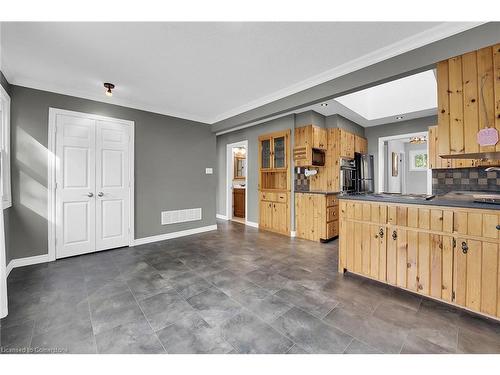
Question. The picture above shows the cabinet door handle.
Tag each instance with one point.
(394, 235)
(381, 233)
(498, 227)
(465, 248)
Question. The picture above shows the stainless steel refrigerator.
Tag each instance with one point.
(364, 173)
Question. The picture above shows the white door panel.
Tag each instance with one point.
(112, 184)
(93, 185)
(75, 178)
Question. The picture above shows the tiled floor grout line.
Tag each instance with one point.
(146, 318)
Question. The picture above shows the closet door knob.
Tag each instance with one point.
(100, 194)
(90, 195)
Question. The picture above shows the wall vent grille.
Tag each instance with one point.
(180, 216)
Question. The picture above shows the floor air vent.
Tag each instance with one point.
(180, 216)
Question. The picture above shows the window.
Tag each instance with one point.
(418, 160)
(5, 191)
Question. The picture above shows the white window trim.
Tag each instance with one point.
(412, 166)
(5, 148)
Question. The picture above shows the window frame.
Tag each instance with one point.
(5, 188)
(412, 154)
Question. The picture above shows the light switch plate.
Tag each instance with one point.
(209, 170)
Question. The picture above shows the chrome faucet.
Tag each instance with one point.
(491, 169)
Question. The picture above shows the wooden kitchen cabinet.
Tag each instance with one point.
(306, 139)
(274, 182)
(312, 136)
(468, 94)
(316, 216)
(437, 162)
(360, 144)
(347, 145)
(449, 254)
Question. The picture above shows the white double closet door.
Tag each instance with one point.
(92, 185)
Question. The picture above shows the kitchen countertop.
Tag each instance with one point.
(317, 192)
(437, 201)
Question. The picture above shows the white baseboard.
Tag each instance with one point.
(252, 224)
(28, 261)
(293, 233)
(221, 217)
(168, 236)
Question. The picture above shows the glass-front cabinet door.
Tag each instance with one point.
(265, 153)
(279, 153)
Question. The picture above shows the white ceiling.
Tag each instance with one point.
(200, 71)
(417, 92)
(410, 97)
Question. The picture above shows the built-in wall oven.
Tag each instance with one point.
(347, 175)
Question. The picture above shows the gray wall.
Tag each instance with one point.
(251, 134)
(373, 133)
(416, 181)
(308, 118)
(171, 155)
(338, 121)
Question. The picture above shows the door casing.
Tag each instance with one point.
(52, 170)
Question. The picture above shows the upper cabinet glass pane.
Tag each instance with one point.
(266, 153)
(279, 152)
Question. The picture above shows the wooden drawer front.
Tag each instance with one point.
(332, 229)
(331, 200)
(281, 197)
(332, 213)
(477, 224)
(268, 196)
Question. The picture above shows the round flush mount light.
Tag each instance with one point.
(399, 117)
(324, 104)
(109, 87)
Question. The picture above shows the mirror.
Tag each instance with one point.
(239, 167)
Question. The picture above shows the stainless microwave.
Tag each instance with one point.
(318, 157)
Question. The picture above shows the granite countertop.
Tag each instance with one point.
(437, 201)
(317, 192)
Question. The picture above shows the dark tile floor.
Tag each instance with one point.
(235, 290)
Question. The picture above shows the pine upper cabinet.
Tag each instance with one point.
(307, 138)
(468, 101)
(360, 144)
(347, 144)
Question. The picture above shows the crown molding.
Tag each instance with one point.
(434, 34)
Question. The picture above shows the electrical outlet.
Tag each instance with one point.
(209, 170)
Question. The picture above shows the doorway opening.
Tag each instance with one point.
(402, 164)
(237, 182)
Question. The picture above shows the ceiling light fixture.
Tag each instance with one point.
(418, 140)
(399, 117)
(109, 87)
(324, 104)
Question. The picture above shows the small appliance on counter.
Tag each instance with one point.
(364, 173)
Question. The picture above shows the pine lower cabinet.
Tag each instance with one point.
(316, 216)
(449, 254)
(274, 212)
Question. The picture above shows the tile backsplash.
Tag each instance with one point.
(446, 180)
(301, 182)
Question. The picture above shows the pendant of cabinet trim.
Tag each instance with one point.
(274, 182)
(452, 255)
